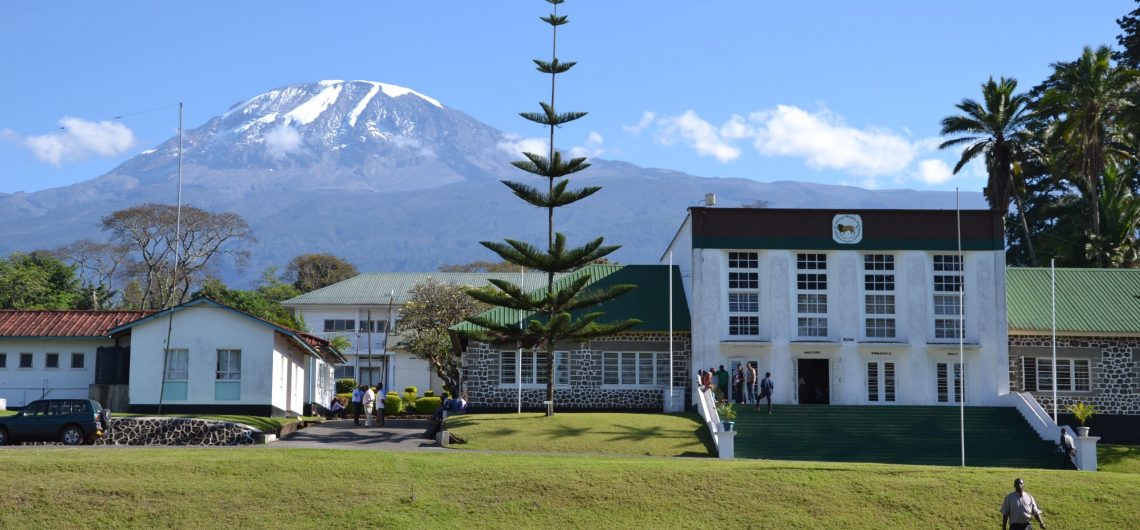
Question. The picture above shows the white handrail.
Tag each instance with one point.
(706, 405)
(1040, 420)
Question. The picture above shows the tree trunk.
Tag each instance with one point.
(1025, 229)
(550, 378)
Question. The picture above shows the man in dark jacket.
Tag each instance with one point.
(722, 382)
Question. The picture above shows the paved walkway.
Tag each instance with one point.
(395, 435)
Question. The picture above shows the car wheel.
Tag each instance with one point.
(4, 436)
(72, 435)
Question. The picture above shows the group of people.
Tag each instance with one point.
(364, 402)
(744, 385)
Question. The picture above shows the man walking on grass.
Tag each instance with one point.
(1018, 507)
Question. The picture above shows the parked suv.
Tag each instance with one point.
(71, 421)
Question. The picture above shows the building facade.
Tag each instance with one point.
(850, 307)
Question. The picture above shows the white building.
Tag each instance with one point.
(52, 354)
(225, 361)
(346, 308)
(849, 306)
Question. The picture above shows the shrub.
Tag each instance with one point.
(393, 404)
(428, 405)
(410, 394)
(345, 385)
(1082, 411)
(429, 393)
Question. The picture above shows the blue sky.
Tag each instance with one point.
(830, 92)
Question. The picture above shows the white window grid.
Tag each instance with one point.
(229, 365)
(942, 371)
(947, 296)
(880, 382)
(645, 369)
(743, 294)
(1073, 375)
(878, 297)
(811, 295)
(177, 364)
(534, 368)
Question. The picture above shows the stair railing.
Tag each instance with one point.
(706, 405)
(1040, 420)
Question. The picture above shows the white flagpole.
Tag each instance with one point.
(1053, 282)
(518, 360)
(961, 333)
(669, 271)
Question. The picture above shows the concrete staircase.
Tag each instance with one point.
(995, 436)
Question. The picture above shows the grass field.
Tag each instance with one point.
(264, 487)
(603, 433)
(7, 412)
(1118, 458)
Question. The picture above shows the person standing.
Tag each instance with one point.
(750, 383)
(357, 397)
(368, 401)
(379, 405)
(738, 385)
(722, 383)
(1018, 507)
(1069, 450)
(766, 387)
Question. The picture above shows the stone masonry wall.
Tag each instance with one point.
(176, 431)
(585, 391)
(1114, 380)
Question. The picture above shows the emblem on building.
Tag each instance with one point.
(847, 229)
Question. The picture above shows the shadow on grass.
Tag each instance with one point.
(565, 431)
(1109, 455)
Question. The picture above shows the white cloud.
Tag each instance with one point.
(646, 119)
(407, 142)
(697, 134)
(593, 147)
(825, 142)
(282, 141)
(517, 145)
(80, 139)
(934, 171)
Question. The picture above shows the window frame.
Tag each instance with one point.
(742, 288)
(533, 361)
(3, 360)
(331, 325)
(82, 363)
(882, 384)
(880, 298)
(947, 283)
(615, 363)
(31, 357)
(811, 283)
(229, 371)
(1045, 364)
(170, 353)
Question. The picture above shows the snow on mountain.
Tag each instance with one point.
(392, 180)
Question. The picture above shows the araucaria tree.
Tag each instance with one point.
(551, 316)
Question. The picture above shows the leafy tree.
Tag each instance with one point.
(98, 265)
(309, 272)
(37, 281)
(202, 239)
(1129, 40)
(994, 129)
(550, 320)
(1086, 97)
(263, 302)
(432, 308)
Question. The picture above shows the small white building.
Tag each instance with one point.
(225, 361)
(849, 307)
(360, 310)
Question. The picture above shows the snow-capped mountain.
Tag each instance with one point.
(391, 179)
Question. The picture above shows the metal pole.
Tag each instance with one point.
(1053, 283)
(174, 274)
(518, 351)
(368, 337)
(669, 271)
(961, 332)
(387, 332)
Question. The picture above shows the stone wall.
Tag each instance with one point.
(176, 431)
(585, 391)
(1114, 380)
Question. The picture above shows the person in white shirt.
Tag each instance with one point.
(1070, 458)
(1018, 507)
(368, 401)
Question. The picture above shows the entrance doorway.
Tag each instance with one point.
(814, 382)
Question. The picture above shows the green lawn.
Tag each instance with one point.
(263, 487)
(1118, 458)
(7, 412)
(604, 433)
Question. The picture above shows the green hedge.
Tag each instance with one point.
(428, 405)
(345, 385)
(393, 404)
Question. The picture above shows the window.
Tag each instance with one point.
(811, 295)
(177, 365)
(51, 360)
(78, 361)
(340, 325)
(947, 393)
(880, 382)
(375, 326)
(25, 360)
(229, 365)
(344, 371)
(635, 368)
(879, 296)
(534, 368)
(1072, 374)
(3, 360)
(744, 294)
(948, 280)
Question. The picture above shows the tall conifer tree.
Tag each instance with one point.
(548, 314)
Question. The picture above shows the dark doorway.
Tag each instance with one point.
(814, 383)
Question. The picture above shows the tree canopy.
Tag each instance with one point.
(37, 281)
(309, 272)
(431, 309)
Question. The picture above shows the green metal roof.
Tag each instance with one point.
(648, 303)
(373, 289)
(1088, 300)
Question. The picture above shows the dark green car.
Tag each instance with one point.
(70, 421)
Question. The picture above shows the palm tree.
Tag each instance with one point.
(1087, 96)
(1121, 216)
(995, 128)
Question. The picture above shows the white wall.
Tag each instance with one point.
(21, 385)
(916, 354)
(203, 330)
(288, 375)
